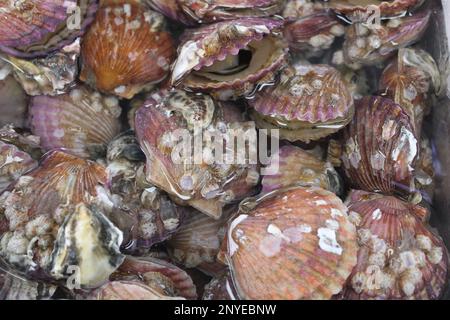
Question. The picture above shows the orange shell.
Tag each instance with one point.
(295, 244)
(126, 49)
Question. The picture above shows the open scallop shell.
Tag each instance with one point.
(126, 49)
(34, 28)
(310, 102)
(400, 257)
(82, 122)
(380, 157)
(230, 57)
(294, 244)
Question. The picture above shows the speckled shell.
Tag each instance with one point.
(22, 140)
(13, 103)
(51, 75)
(201, 183)
(368, 46)
(295, 244)
(293, 166)
(211, 45)
(33, 28)
(310, 102)
(38, 205)
(380, 157)
(198, 240)
(408, 79)
(13, 164)
(82, 122)
(296, 9)
(154, 273)
(399, 256)
(191, 12)
(126, 49)
(361, 10)
(314, 33)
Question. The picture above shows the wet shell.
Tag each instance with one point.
(364, 10)
(88, 241)
(15, 287)
(128, 290)
(159, 274)
(38, 205)
(13, 103)
(50, 75)
(372, 45)
(126, 49)
(13, 164)
(166, 126)
(220, 288)
(230, 57)
(81, 122)
(296, 9)
(22, 140)
(198, 240)
(191, 12)
(380, 157)
(310, 102)
(293, 166)
(36, 28)
(408, 79)
(295, 244)
(314, 33)
(399, 256)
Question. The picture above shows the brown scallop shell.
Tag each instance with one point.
(310, 102)
(126, 49)
(380, 147)
(400, 257)
(294, 244)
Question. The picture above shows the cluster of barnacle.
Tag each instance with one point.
(93, 205)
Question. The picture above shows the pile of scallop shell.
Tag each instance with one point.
(93, 204)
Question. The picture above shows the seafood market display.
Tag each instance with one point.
(219, 150)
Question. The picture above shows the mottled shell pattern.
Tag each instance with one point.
(230, 57)
(399, 256)
(126, 49)
(309, 102)
(35, 28)
(294, 244)
(13, 102)
(203, 184)
(380, 157)
(82, 122)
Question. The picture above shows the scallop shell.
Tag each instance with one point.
(13, 164)
(13, 103)
(126, 49)
(128, 290)
(82, 122)
(362, 10)
(296, 9)
(293, 166)
(408, 79)
(191, 12)
(51, 75)
(313, 33)
(155, 272)
(38, 205)
(310, 102)
(370, 46)
(198, 240)
(400, 257)
(166, 125)
(294, 244)
(230, 57)
(220, 288)
(89, 241)
(380, 157)
(22, 140)
(36, 28)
